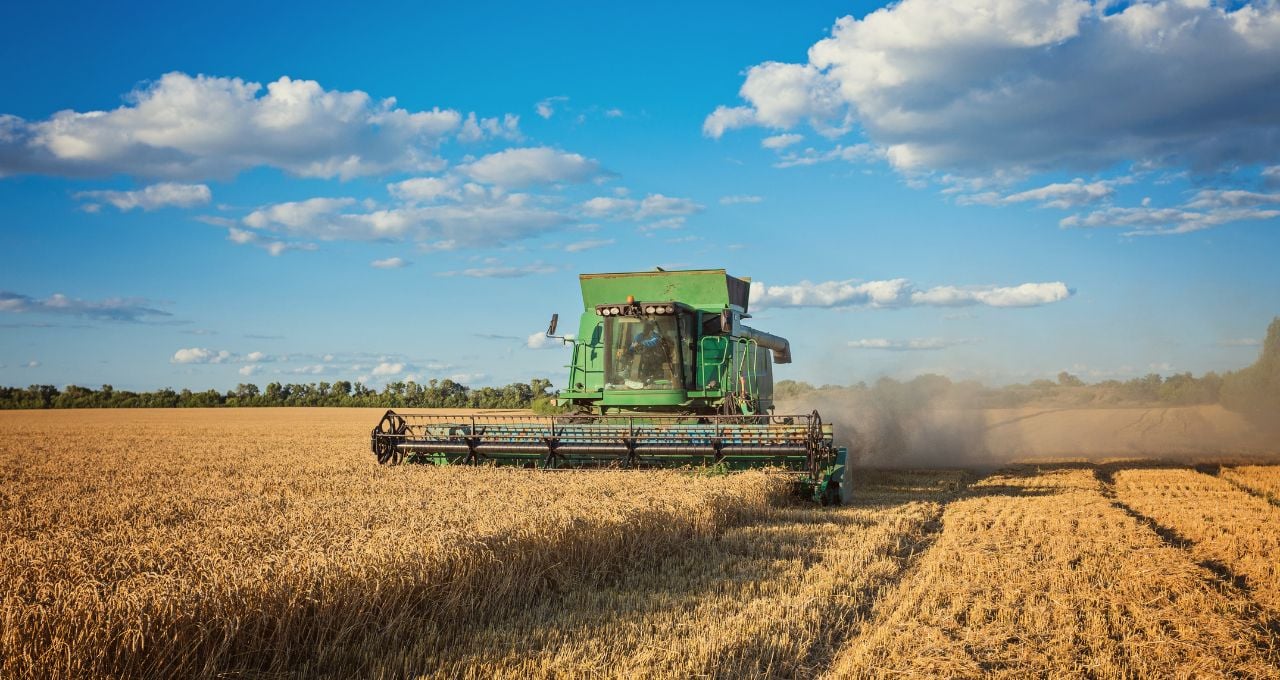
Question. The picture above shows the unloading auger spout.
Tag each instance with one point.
(663, 374)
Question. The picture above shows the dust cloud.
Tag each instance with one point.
(902, 428)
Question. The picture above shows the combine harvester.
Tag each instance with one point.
(663, 374)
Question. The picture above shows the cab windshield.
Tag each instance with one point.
(644, 353)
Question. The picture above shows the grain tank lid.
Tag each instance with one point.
(702, 288)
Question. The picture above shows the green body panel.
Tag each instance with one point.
(705, 289)
(725, 369)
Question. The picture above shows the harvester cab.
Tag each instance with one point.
(663, 373)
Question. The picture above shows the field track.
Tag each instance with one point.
(267, 543)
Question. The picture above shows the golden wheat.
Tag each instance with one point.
(1037, 574)
(770, 598)
(267, 542)
(1223, 524)
(207, 542)
(1263, 480)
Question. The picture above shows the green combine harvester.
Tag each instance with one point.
(663, 375)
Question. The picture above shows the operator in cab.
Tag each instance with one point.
(646, 356)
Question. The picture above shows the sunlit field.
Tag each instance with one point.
(269, 543)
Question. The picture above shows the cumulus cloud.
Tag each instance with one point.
(200, 355)
(1062, 195)
(390, 263)
(1205, 209)
(547, 107)
(387, 368)
(426, 189)
(132, 310)
(184, 126)
(540, 340)
(164, 194)
(480, 217)
(911, 345)
(588, 244)
(248, 370)
(476, 129)
(529, 166)
(975, 85)
(740, 198)
(902, 293)
(274, 247)
(494, 270)
(650, 207)
(781, 141)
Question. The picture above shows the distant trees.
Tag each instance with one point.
(434, 394)
(1255, 391)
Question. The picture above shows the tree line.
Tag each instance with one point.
(433, 394)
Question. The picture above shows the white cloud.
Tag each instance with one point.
(740, 198)
(481, 218)
(390, 263)
(902, 293)
(386, 368)
(532, 165)
(657, 205)
(609, 206)
(498, 271)
(200, 355)
(781, 141)
(1065, 195)
(273, 247)
(1024, 295)
(426, 189)
(248, 370)
(32, 364)
(726, 118)
(540, 340)
(547, 107)
(975, 85)
(673, 209)
(855, 153)
(1157, 221)
(911, 345)
(474, 130)
(588, 244)
(183, 126)
(150, 198)
(134, 310)
(613, 113)
(1231, 198)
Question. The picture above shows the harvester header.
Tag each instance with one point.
(663, 373)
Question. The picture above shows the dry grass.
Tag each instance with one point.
(771, 598)
(1221, 524)
(1263, 480)
(268, 541)
(1037, 574)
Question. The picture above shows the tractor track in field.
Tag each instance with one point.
(1219, 574)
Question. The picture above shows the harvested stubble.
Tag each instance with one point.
(1263, 480)
(1223, 524)
(191, 543)
(1037, 574)
(771, 598)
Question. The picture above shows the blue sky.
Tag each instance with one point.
(988, 189)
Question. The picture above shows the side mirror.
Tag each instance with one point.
(726, 321)
(551, 329)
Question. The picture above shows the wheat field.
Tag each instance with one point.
(267, 543)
